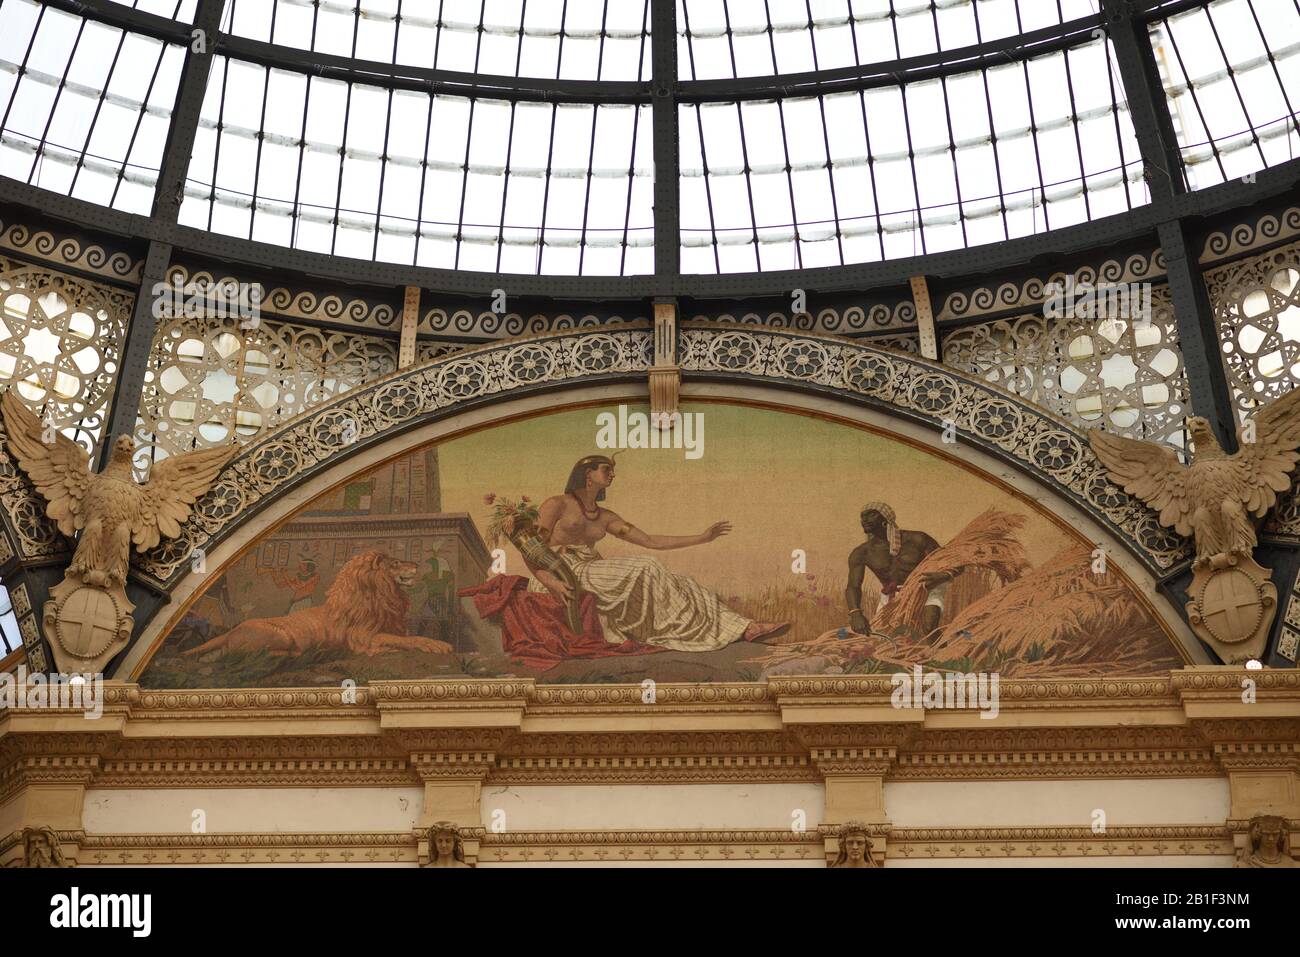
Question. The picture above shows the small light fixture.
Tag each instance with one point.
(1253, 665)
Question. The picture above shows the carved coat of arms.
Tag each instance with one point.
(88, 619)
(1218, 499)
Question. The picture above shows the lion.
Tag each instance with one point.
(365, 611)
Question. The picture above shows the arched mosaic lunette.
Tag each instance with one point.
(1032, 439)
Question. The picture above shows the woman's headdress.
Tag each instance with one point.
(578, 476)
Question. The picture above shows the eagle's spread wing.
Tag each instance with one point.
(60, 470)
(1263, 467)
(174, 485)
(1151, 472)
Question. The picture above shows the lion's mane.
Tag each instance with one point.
(365, 599)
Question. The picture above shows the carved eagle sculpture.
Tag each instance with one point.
(109, 508)
(1217, 497)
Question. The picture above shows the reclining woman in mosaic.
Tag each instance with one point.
(620, 605)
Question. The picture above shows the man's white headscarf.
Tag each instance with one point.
(891, 524)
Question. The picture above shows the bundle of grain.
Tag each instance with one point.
(986, 547)
(1056, 617)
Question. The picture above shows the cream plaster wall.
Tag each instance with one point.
(687, 807)
(654, 807)
(1127, 803)
(251, 810)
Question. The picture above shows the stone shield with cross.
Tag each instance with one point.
(1232, 608)
(86, 624)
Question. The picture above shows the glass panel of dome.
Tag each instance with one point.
(85, 107)
(172, 9)
(577, 39)
(1231, 74)
(376, 30)
(1064, 154)
(403, 177)
(737, 38)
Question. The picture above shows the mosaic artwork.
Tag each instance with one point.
(591, 545)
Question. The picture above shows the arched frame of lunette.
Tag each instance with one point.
(281, 471)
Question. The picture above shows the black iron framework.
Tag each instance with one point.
(669, 101)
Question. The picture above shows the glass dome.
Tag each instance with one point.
(545, 137)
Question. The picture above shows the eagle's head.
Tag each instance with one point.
(119, 460)
(1202, 435)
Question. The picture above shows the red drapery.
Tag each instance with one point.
(533, 626)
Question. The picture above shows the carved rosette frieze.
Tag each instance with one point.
(282, 772)
(390, 695)
(1154, 691)
(653, 757)
(672, 846)
(1025, 753)
(991, 843)
(171, 850)
(1191, 722)
(837, 730)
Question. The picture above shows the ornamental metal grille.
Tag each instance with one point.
(210, 380)
(1125, 376)
(1257, 309)
(60, 342)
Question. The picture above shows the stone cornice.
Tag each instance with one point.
(671, 846)
(1191, 722)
